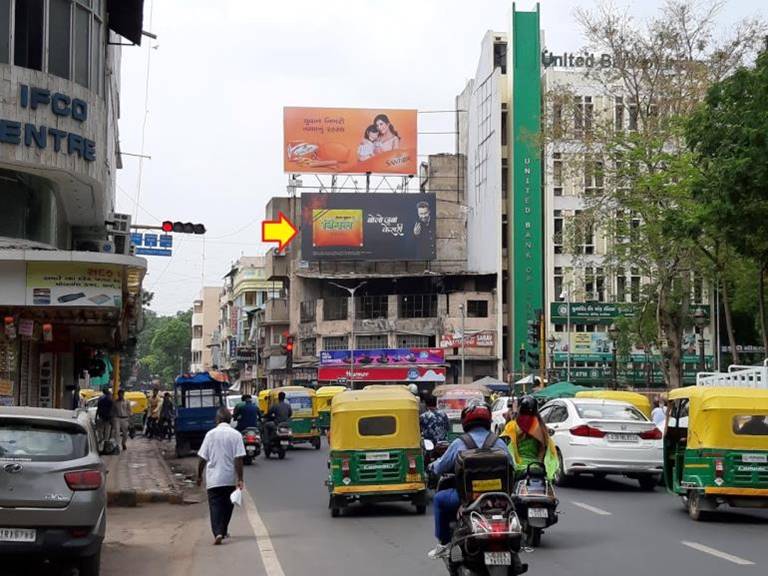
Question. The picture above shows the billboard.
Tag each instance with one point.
(478, 340)
(349, 140)
(74, 284)
(378, 374)
(384, 357)
(368, 227)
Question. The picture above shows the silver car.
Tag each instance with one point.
(53, 501)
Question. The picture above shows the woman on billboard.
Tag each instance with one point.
(388, 139)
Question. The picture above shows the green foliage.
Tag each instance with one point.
(164, 346)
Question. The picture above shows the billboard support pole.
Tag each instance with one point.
(367, 182)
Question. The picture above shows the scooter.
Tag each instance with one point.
(432, 452)
(278, 438)
(536, 503)
(252, 442)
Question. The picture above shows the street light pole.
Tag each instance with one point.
(351, 292)
(700, 321)
(568, 329)
(551, 343)
(463, 340)
(613, 334)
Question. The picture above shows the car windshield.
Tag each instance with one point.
(232, 401)
(609, 412)
(41, 442)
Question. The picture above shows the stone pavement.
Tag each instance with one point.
(140, 474)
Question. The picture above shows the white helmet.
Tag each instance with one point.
(414, 389)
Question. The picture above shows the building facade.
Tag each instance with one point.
(205, 323)
(70, 294)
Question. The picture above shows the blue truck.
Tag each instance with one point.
(198, 397)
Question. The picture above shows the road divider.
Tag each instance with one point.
(590, 508)
(717, 553)
(263, 541)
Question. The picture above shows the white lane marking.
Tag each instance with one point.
(718, 553)
(594, 509)
(264, 542)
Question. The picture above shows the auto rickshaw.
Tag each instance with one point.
(376, 451)
(304, 422)
(452, 398)
(264, 401)
(716, 447)
(88, 393)
(138, 402)
(324, 396)
(639, 401)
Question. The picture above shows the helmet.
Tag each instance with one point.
(476, 414)
(528, 406)
(414, 389)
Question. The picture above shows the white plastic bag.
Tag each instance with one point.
(237, 497)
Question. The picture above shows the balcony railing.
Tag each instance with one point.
(308, 311)
(276, 311)
(335, 309)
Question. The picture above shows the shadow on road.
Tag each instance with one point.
(608, 484)
(379, 510)
(27, 566)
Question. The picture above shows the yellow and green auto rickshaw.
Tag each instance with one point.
(376, 451)
(452, 398)
(138, 402)
(324, 396)
(264, 401)
(304, 422)
(716, 447)
(639, 401)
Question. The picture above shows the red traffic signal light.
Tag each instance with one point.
(183, 227)
(289, 344)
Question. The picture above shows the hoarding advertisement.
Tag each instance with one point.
(349, 141)
(74, 284)
(368, 227)
(384, 357)
(376, 374)
(479, 340)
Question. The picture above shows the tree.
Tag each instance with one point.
(638, 174)
(163, 348)
(729, 135)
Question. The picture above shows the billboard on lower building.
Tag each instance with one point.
(375, 374)
(368, 227)
(382, 357)
(74, 284)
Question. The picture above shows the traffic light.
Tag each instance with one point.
(521, 355)
(183, 227)
(534, 337)
(288, 348)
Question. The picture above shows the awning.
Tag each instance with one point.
(126, 17)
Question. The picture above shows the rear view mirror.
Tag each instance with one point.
(429, 445)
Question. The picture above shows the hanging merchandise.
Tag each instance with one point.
(47, 332)
(26, 328)
(10, 327)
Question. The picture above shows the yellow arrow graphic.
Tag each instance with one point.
(281, 231)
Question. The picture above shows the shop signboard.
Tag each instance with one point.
(368, 227)
(6, 387)
(478, 340)
(74, 284)
(384, 357)
(349, 141)
(600, 312)
(376, 374)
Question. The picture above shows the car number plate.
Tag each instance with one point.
(623, 438)
(17, 535)
(754, 458)
(284, 443)
(498, 558)
(376, 456)
(538, 513)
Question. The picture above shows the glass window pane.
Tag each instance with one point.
(28, 38)
(377, 426)
(82, 39)
(97, 60)
(5, 30)
(59, 24)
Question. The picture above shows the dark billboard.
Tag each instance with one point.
(368, 226)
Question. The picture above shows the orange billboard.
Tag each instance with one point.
(349, 140)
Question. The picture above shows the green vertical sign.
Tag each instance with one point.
(528, 264)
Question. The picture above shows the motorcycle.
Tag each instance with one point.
(278, 438)
(252, 442)
(536, 502)
(487, 536)
(432, 452)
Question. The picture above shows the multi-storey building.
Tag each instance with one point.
(205, 322)
(70, 290)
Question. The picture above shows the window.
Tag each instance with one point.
(307, 311)
(558, 277)
(621, 288)
(751, 425)
(557, 119)
(634, 288)
(372, 342)
(377, 426)
(619, 113)
(5, 31)
(633, 114)
(414, 341)
(198, 307)
(197, 332)
(309, 347)
(200, 398)
(28, 34)
(59, 26)
(609, 412)
(504, 128)
(372, 307)
(504, 178)
(558, 232)
(583, 114)
(500, 56)
(335, 308)
(250, 299)
(335, 343)
(82, 41)
(477, 308)
(585, 235)
(557, 173)
(418, 306)
(593, 177)
(42, 442)
(594, 284)
(558, 414)
(698, 288)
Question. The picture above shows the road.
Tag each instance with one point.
(606, 528)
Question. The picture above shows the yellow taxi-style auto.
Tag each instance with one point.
(376, 451)
(716, 447)
(639, 401)
(324, 396)
(304, 422)
(138, 402)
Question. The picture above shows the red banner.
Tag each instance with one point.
(398, 374)
(479, 340)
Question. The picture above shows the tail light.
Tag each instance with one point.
(479, 524)
(79, 532)
(412, 465)
(653, 434)
(719, 469)
(587, 431)
(83, 480)
(345, 468)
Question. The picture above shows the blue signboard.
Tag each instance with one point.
(147, 244)
(150, 240)
(153, 252)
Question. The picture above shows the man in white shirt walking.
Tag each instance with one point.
(221, 456)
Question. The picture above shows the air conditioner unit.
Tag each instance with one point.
(119, 223)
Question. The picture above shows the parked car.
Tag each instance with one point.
(53, 499)
(498, 410)
(602, 437)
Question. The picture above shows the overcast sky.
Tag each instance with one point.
(221, 72)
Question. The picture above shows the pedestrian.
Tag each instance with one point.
(221, 456)
(659, 413)
(121, 418)
(167, 414)
(434, 423)
(153, 413)
(104, 409)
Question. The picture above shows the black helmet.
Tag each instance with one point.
(528, 406)
(476, 414)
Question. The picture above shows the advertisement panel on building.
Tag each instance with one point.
(368, 227)
(349, 140)
(375, 374)
(479, 340)
(384, 357)
(74, 284)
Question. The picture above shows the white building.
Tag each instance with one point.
(205, 322)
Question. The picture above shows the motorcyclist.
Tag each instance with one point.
(247, 414)
(434, 423)
(529, 440)
(279, 412)
(476, 421)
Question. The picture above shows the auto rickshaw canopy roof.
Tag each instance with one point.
(330, 391)
(470, 390)
(291, 391)
(639, 401)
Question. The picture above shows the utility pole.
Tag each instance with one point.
(351, 292)
(463, 339)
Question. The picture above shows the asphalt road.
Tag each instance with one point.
(606, 528)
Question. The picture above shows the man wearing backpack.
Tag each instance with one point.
(476, 422)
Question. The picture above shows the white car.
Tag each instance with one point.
(602, 437)
(498, 410)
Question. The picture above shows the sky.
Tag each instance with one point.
(205, 101)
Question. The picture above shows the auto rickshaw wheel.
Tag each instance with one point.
(335, 512)
(648, 483)
(421, 509)
(316, 443)
(281, 453)
(694, 506)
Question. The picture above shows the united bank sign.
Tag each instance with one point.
(43, 137)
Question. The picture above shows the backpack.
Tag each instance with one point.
(481, 469)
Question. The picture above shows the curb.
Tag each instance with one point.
(132, 498)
